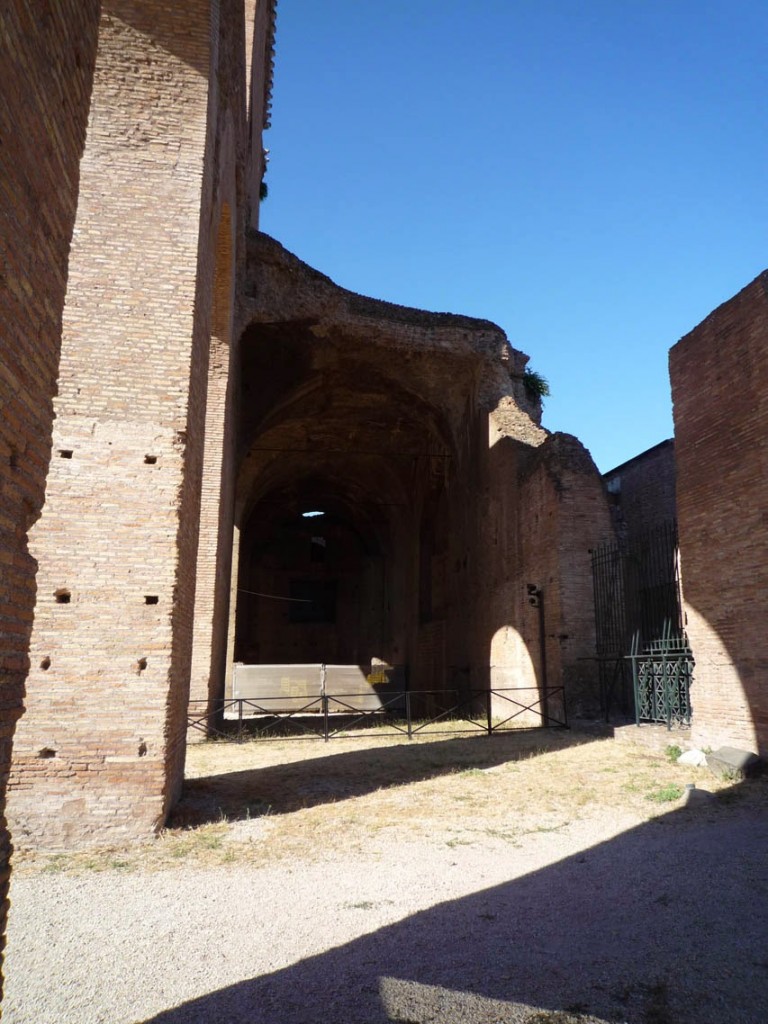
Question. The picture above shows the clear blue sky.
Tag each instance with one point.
(589, 174)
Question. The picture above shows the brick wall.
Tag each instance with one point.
(642, 490)
(719, 376)
(543, 512)
(99, 752)
(215, 543)
(583, 524)
(563, 516)
(42, 132)
(259, 50)
(216, 509)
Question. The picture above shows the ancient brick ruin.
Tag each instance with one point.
(149, 303)
(128, 164)
(414, 432)
(719, 378)
(209, 384)
(165, 417)
(176, 388)
(39, 170)
(641, 490)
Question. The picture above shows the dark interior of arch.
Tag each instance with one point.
(323, 429)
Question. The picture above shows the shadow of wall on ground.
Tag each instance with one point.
(343, 774)
(664, 924)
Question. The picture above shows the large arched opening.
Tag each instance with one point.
(439, 502)
(340, 464)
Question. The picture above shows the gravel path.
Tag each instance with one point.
(662, 923)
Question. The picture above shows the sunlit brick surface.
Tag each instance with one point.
(720, 391)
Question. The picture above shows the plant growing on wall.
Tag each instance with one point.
(536, 386)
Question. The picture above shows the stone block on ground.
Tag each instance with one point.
(731, 762)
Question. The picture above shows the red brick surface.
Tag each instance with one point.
(719, 378)
(46, 68)
(547, 510)
(100, 751)
(642, 490)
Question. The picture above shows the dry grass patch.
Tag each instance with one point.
(261, 802)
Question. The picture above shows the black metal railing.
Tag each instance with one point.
(405, 712)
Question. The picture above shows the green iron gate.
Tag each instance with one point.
(661, 679)
(644, 661)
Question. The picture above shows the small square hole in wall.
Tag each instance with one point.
(151, 599)
(13, 459)
(65, 453)
(45, 664)
(150, 460)
(62, 596)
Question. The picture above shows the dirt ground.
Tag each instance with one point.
(529, 878)
(314, 799)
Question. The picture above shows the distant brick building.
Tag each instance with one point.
(641, 490)
(712, 479)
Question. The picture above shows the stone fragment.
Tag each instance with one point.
(697, 758)
(731, 762)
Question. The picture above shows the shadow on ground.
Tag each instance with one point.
(666, 924)
(280, 789)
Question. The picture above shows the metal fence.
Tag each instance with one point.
(661, 677)
(395, 712)
(638, 615)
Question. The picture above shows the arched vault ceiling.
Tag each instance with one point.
(363, 394)
(288, 373)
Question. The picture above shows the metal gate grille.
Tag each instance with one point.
(661, 677)
(637, 608)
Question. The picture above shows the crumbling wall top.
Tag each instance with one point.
(280, 287)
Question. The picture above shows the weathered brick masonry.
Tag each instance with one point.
(205, 373)
(46, 69)
(240, 162)
(719, 378)
(99, 753)
(463, 498)
(642, 490)
(547, 511)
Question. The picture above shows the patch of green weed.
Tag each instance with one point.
(667, 794)
(56, 863)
